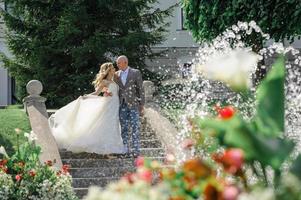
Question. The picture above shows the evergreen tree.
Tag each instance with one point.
(61, 43)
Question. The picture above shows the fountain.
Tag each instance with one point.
(201, 94)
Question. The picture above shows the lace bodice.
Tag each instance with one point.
(113, 87)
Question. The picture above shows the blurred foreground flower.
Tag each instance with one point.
(225, 112)
(196, 168)
(234, 68)
(188, 143)
(231, 159)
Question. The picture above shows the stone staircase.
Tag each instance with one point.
(92, 169)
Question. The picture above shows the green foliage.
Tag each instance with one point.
(62, 42)
(11, 118)
(295, 169)
(22, 176)
(208, 19)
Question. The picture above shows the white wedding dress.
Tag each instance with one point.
(90, 124)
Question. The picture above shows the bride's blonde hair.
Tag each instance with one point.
(102, 74)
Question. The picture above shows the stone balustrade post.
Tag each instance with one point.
(35, 107)
(149, 90)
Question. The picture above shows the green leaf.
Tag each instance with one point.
(272, 151)
(270, 101)
(237, 133)
(296, 167)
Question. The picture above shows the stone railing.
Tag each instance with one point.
(163, 128)
(35, 107)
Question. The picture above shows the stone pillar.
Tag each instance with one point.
(36, 109)
(149, 89)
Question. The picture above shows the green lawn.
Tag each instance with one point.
(10, 118)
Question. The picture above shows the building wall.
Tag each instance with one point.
(5, 80)
(179, 47)
(177, 36)
(5, 88)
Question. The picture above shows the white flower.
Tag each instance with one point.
(3, 152)
(31, 136)
(233, 68)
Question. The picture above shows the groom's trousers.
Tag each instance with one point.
(130, 116)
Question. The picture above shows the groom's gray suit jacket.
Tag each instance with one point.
(132, 93)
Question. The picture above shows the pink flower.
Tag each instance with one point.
(19, 177)
(230, 193)
(146, 175)
(231, 159)
(139, 162)
(188, 143)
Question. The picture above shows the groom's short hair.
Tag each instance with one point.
(123, 57)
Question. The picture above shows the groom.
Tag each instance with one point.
(131, 95)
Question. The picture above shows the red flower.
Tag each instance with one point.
(146, 175)
(231, 159)
(139, 162)
(129, 177)
(32, 173)
(225, 112)
(65, 169)
(49, 163)
(19, 177)
(3, 162)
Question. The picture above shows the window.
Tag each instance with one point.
(182, 20)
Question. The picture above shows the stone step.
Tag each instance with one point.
(148, 152)
(113, 172)
(82, 184)
(100, 172)
(148, 136)
(87, 182)
(94, 163)
(151, 143)
(81, 192)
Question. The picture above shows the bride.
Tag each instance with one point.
(91, 122)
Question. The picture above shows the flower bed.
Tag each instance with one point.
(22, 176)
